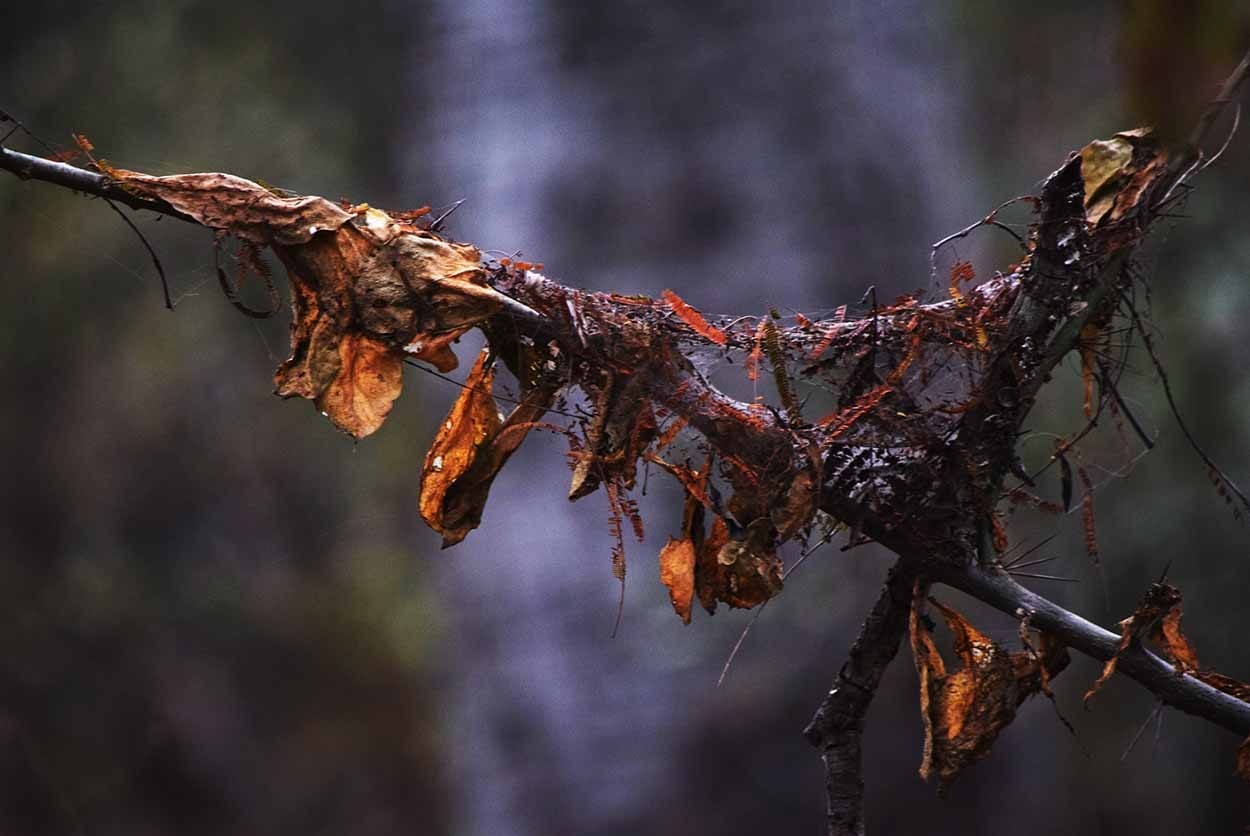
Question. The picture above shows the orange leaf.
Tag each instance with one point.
(706, 569)
(965, 709)
(677, 560)
(369, 380)
(694, 319)
(472, 423)
(466, 496)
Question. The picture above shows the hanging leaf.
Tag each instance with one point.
(965, 709)
(1158, 619)
(472, 423)
(466, 497)
(677, 560)
(369, 290)
(1161, 599)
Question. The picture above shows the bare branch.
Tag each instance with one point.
(838, 727)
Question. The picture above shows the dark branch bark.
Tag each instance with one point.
(838, 727)
(996, 588)
(29, 167)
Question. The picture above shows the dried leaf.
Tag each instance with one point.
(799, 503)
(471, 424)
(1090, 335)
(1101, 163)
(410, 297)
(1065, 480)
(677, 560)
(466, 496)
(707, 571)
(1118, 172)
(749, 571)
(368, 289)
(964, 710)
(752, 361)
(777, 359)
(1088, 523)
(1220, 682)
(1161, 599)
(239, 206)
(369, 379)
(694, 319)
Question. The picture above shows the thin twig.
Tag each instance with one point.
(1158, 708)
(156, 262)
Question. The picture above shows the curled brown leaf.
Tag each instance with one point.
(677, 560)
(965, 709)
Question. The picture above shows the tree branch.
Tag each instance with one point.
(838, 726)
(29, 167)
(996, 588)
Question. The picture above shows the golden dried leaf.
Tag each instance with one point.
(964, 710)
(677, 560)
(1173, 642)
(410, 296)
(472, 423)
(707, 571)
(798, 506)
(1118, 172)
(466, 496)
(1158, 618)
(369, 379)
(1101, 163)
(368, 290)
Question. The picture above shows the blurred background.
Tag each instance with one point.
(218, 615)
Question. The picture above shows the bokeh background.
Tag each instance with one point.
(217, 615)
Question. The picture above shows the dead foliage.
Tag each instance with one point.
(965, 708)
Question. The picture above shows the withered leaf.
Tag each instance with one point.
(466, 496)
(408, 296)
(1118, 172)
(741, 570)
(471, 424)
(797, 507)
(369, 379)
(677, 560)
(1159, 601)
(1220, 682)
(1101, 163)
(368, 290)
(964, 710)
(707, 571)
(239, 206)
(1158, 618)
(749, 571)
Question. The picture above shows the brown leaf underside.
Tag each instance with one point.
(964, 710)
(367, 290)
